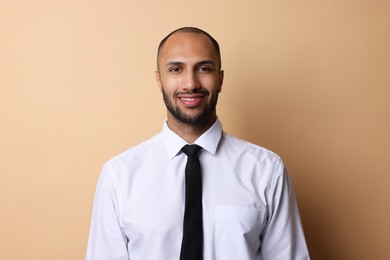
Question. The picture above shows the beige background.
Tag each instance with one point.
(307, 79)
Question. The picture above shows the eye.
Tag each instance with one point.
(174, 69)
(204, 69)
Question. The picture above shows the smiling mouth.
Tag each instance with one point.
(189, 99)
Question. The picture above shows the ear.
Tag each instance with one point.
(220, 75)
(158, 79)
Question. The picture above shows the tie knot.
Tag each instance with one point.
(191, 149)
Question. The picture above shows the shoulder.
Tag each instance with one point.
(246, 151)
(137, 153)
(238, 144)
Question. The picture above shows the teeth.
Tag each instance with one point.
(189, 99)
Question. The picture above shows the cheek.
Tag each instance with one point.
(214, 86)
(211, 82)
(169, 87)
(171, 83)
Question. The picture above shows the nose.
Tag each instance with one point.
(190, 81)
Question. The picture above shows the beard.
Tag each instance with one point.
(200, 119)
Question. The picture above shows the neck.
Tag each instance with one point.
(189, 132)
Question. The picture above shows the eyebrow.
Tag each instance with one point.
(177, 63)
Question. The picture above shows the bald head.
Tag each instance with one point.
(190, 30)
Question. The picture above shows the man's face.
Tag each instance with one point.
(189, 78)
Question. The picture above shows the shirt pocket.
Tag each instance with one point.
(237, 232)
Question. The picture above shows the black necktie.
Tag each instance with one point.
(192, 244)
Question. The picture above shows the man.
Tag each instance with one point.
(241, 205)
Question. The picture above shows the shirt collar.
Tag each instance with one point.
(208, 140)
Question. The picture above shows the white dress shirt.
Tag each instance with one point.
(249, 206)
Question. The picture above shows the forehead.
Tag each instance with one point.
(185, 45)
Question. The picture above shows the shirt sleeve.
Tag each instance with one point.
(283, 237)
(107, 240)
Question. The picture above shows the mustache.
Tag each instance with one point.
(196, 91)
